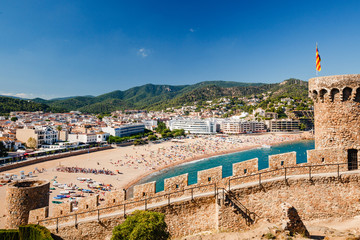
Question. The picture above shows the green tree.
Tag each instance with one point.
(3, 151)
(152, 137)
(14, 119)
(100, 117)
(31, 143)
(142, 225)
(302, 126)
(160, 127)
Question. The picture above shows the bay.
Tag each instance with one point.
(227, 160)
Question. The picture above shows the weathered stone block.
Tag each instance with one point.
(114, 197)
(144, 190)
(88, 203)
(282, 160)
(176, 183)
(38, 214)
(245, 168)
(212, 175)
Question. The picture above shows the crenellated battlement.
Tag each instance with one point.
(243, 172)
(339, 88)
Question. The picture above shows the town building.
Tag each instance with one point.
(102, 136)
(150, 124)
(42, 135)
(82, 137)
(124, 130)
(236, 127)
(193, 126)
(283, 125)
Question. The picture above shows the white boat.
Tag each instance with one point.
(64, 192)
(266, 146)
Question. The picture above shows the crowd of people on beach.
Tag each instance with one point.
(84, 170)
(204, 146)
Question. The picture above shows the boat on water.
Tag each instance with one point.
(266, 146)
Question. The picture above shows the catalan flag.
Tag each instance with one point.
(318, 60)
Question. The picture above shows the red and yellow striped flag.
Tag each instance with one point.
(318, 60)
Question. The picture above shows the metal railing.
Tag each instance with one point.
(167, 196)
(123, 206)
(285, 169)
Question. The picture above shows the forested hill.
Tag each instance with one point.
(8, 104)
(159, 97)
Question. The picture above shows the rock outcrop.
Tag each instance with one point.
(292, 222)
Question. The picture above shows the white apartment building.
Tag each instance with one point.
(102, 136)
(82, 137)
(42, 135)
(150, 124)
(193, 126)
(124, 130)
(236, 127)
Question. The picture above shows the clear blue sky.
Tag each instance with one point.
(66, 48)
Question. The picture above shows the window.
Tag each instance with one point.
(209, 179)
(245, 171)
(282, 163)
(322, 94)
(357, 96)
(334, 94)
(177, 185)
(347, 94)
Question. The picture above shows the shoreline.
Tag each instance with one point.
(134, 182)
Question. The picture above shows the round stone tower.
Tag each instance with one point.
(23, 196)
(337, 111)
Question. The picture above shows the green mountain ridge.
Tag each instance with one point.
(8, 104)
(159, 97)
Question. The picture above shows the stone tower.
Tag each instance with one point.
(337, 114)
(23, 196)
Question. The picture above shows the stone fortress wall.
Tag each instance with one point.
(322, 196)
(243, 172)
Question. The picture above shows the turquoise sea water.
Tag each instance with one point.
(226, 161)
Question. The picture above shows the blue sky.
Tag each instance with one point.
(67, 48)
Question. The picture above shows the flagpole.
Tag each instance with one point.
(316, 71)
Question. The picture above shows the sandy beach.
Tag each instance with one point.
(122, 167)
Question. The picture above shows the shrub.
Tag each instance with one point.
(34, 232)
(142, 225)
(9, 234)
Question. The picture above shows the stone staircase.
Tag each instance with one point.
(239, 208)
(228, 198)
